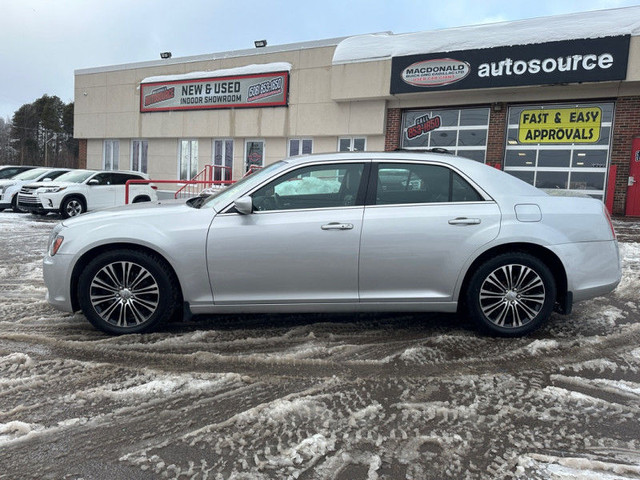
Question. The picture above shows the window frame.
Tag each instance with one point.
(191, 141)
(351, 143)
(574, 149)
(141, 143)
(245, 160)
(301, 141)
(111, 142)
(455, 149)
(229, 209)
(372, 186)
(224, 172)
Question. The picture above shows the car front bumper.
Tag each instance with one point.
(57, 278)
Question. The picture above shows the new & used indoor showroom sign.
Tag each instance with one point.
(239, 91)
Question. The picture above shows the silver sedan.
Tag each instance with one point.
(340, 233)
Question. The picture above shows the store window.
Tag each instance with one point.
(223, 159)
(460, 131)
(560, 146)
(253, 154)
(188, 159)
(352, 144)
(139, 150)
(110, 155)
(300, 146)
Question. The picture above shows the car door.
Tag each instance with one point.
(299, 245)
(119, 181)
(101, 193)
(421, 224)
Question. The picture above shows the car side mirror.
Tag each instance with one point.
(93, 181)
(244, 205)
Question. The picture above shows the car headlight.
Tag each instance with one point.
(51, 189)
(4, 188)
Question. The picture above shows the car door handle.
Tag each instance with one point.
(337, 226)
(464, 221)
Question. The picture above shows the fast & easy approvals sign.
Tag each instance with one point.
(561, 125)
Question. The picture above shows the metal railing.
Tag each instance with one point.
(207, 174)
(188, 187)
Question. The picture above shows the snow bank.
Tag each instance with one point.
(603, 23)
(227, 72)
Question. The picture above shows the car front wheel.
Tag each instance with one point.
(511, 294)
(126, 291)
(72, 207)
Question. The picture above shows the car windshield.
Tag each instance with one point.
(221, 198)
(31, 174)
(75, 176)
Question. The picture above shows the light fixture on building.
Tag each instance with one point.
(496, 107)
(260, 43)
(165, 55)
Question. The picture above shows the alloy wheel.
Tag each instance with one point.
(512, 295)
(124, 294)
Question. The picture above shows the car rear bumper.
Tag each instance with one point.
(57, 278)
(593, 268)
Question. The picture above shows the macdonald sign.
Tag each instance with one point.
(236, 91)
(572, 61)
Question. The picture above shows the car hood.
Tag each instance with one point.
(8, 181)
(50, 184)
(144, 211)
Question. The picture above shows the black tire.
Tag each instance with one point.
(511, 295)
(141, 199)
(14, 205)
(72, 207)
(127, 291)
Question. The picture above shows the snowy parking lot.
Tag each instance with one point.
(314, 396)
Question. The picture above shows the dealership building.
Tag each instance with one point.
(554, 101)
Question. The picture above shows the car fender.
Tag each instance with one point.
(187, 262)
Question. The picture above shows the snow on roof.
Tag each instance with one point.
(227, 72)
(596, 24)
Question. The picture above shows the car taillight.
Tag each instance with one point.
(613, 231)
(154, 187)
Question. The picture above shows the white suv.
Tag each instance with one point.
(9, 188)
(80, 191)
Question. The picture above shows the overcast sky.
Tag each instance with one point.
(42, 42)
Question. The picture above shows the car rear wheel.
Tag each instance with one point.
(511, 294)
(126, 291)
(72, 207)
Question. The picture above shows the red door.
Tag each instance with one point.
(633, 189)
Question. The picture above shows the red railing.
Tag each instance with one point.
(205, 177)
(252, 169)
(207, 174)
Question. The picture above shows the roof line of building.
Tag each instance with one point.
(329, 42)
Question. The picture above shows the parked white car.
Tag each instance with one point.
(10, 171)
(80, 191)
(9, 188)
(341, 232)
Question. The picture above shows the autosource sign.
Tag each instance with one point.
(573, 61)
(561, 125)
(240, 91)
